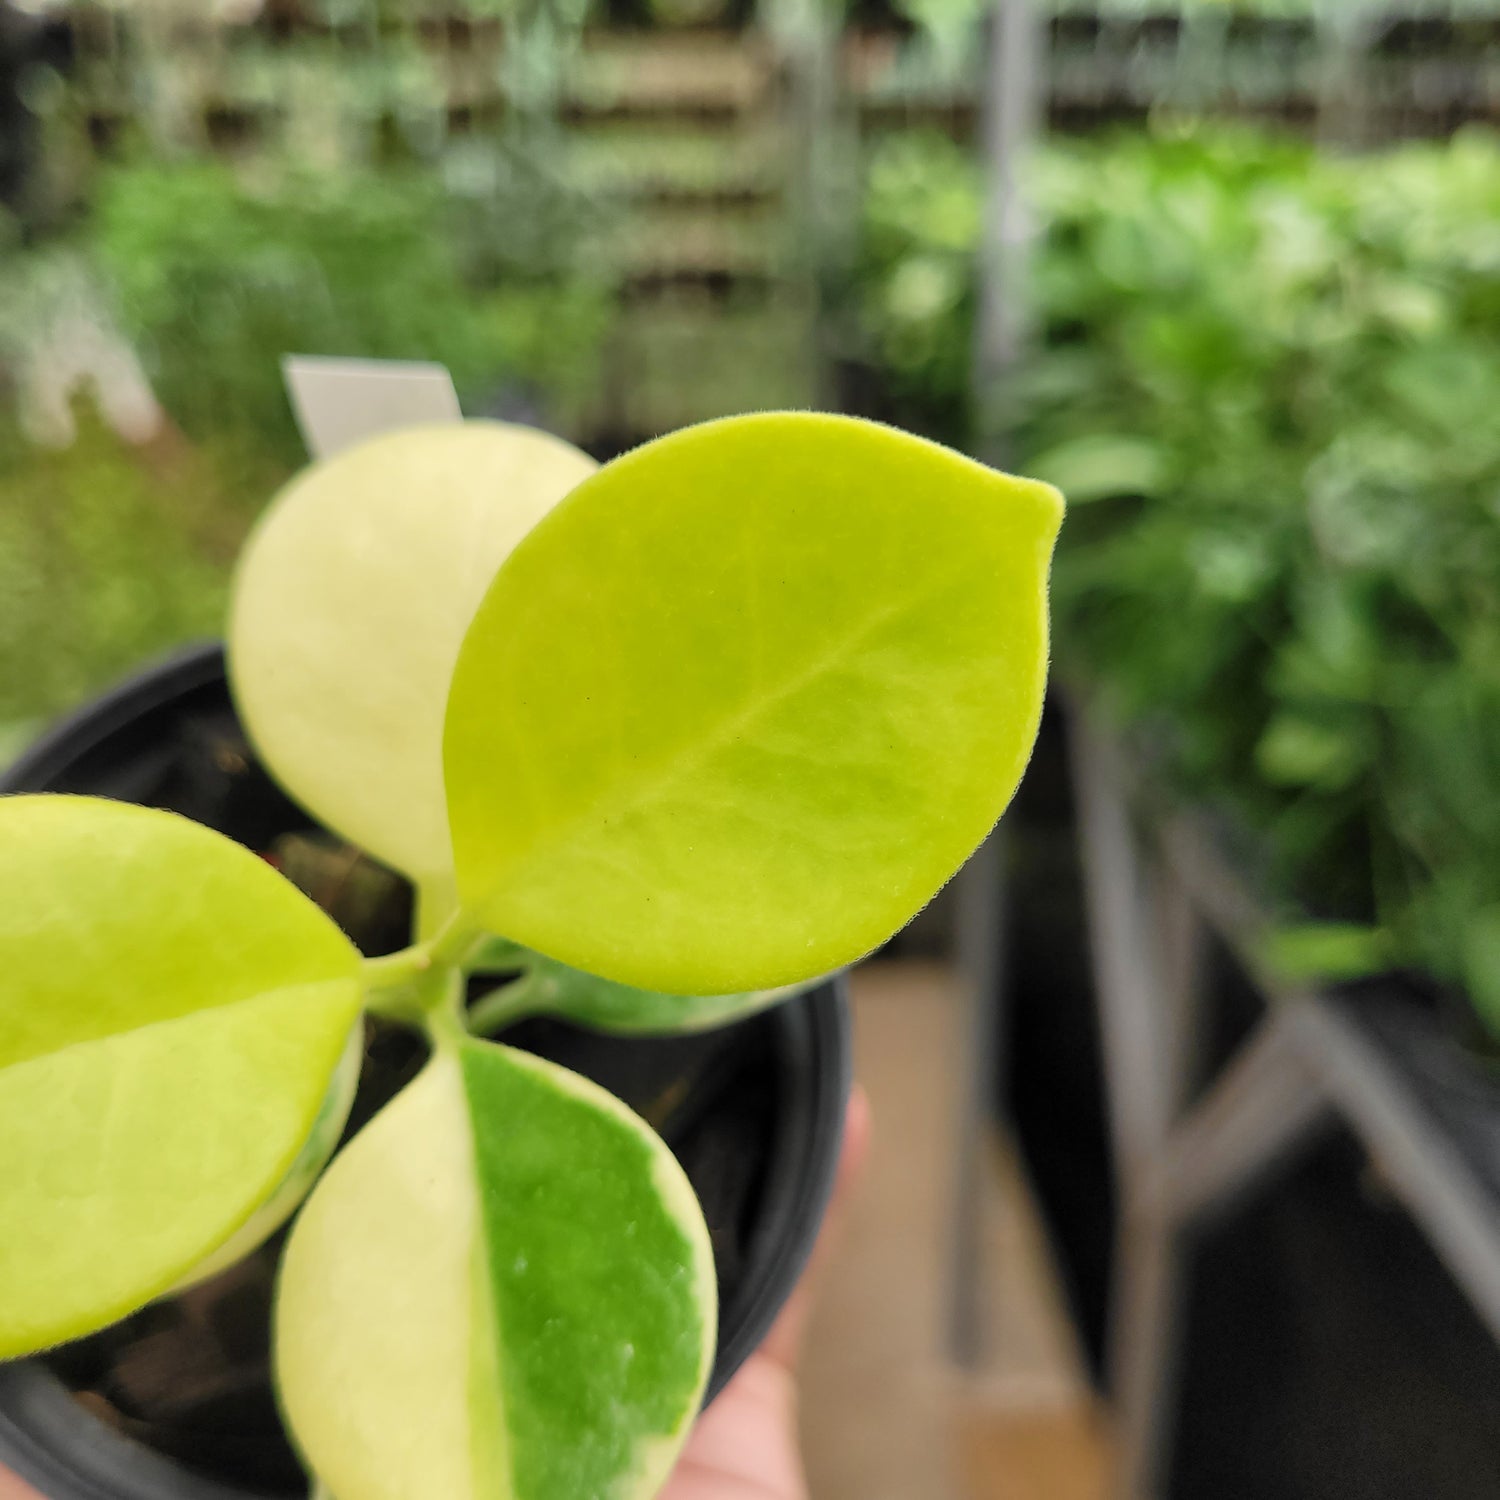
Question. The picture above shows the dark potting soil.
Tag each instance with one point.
(190, 1376)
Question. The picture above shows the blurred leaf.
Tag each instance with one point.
(1296, 751)
(107, 560)
(1098, 466)
(1326, 951)
(552, 989)
(1481, 966)
(218, 279)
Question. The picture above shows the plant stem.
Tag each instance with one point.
(443, 1016)
(499, 955)
(511, 1002)
(412, 986)
(456, 941)
(393, 983)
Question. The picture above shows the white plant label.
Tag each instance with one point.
(340, 402)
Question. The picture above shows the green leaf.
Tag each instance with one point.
(1327, 951)
(549, 988)
(350, 603)
(173, 1017)
(502, 1290)
(1100, 466)
(1298, 751)
(737, 709)
(1481, 966)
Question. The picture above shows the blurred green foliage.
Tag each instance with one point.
(1327, 10)
(109, 553)
(217, 275)
(1268, 381)
(913, 293)
(108, 557)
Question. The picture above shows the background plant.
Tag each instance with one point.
(908, 308)
(111, 552)
(107, 559)
(217, 276)
(1266, 380)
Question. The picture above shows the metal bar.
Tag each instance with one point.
(807, 37)
(1216, 890)
(981, 928)
(1347, 29)
(1013, 105)
(1143, 1342)
(1180, 945)
(1265, 1102)
(1009, 112)
(1126, 984)
(1141, 1088)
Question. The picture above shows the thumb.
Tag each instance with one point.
(784, 1341)
(13, 1488)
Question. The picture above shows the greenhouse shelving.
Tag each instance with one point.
(1157, 886)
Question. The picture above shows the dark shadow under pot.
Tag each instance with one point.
(175, 1403)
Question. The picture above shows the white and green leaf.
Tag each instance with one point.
(737, 708)
(501, 1290)
(350, 603)
(175, 1023)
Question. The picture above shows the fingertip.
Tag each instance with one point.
(858, 1127)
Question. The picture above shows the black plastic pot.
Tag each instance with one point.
(175, 1403)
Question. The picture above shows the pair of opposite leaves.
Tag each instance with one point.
(729, 712)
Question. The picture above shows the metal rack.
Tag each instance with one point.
(1014, 45)
(1378, 1063)
(1153, 901)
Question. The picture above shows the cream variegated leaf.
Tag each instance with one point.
(350, 603)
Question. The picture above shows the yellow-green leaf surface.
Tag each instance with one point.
(350, 603)
(736, 709)
(172, 1019)
(501, 1290)
(321, 1143)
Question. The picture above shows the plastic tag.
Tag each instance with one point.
(340, 402)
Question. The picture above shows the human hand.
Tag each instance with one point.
(745, 1445)
(13, 1488)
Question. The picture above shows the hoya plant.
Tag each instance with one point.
(666, 739)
